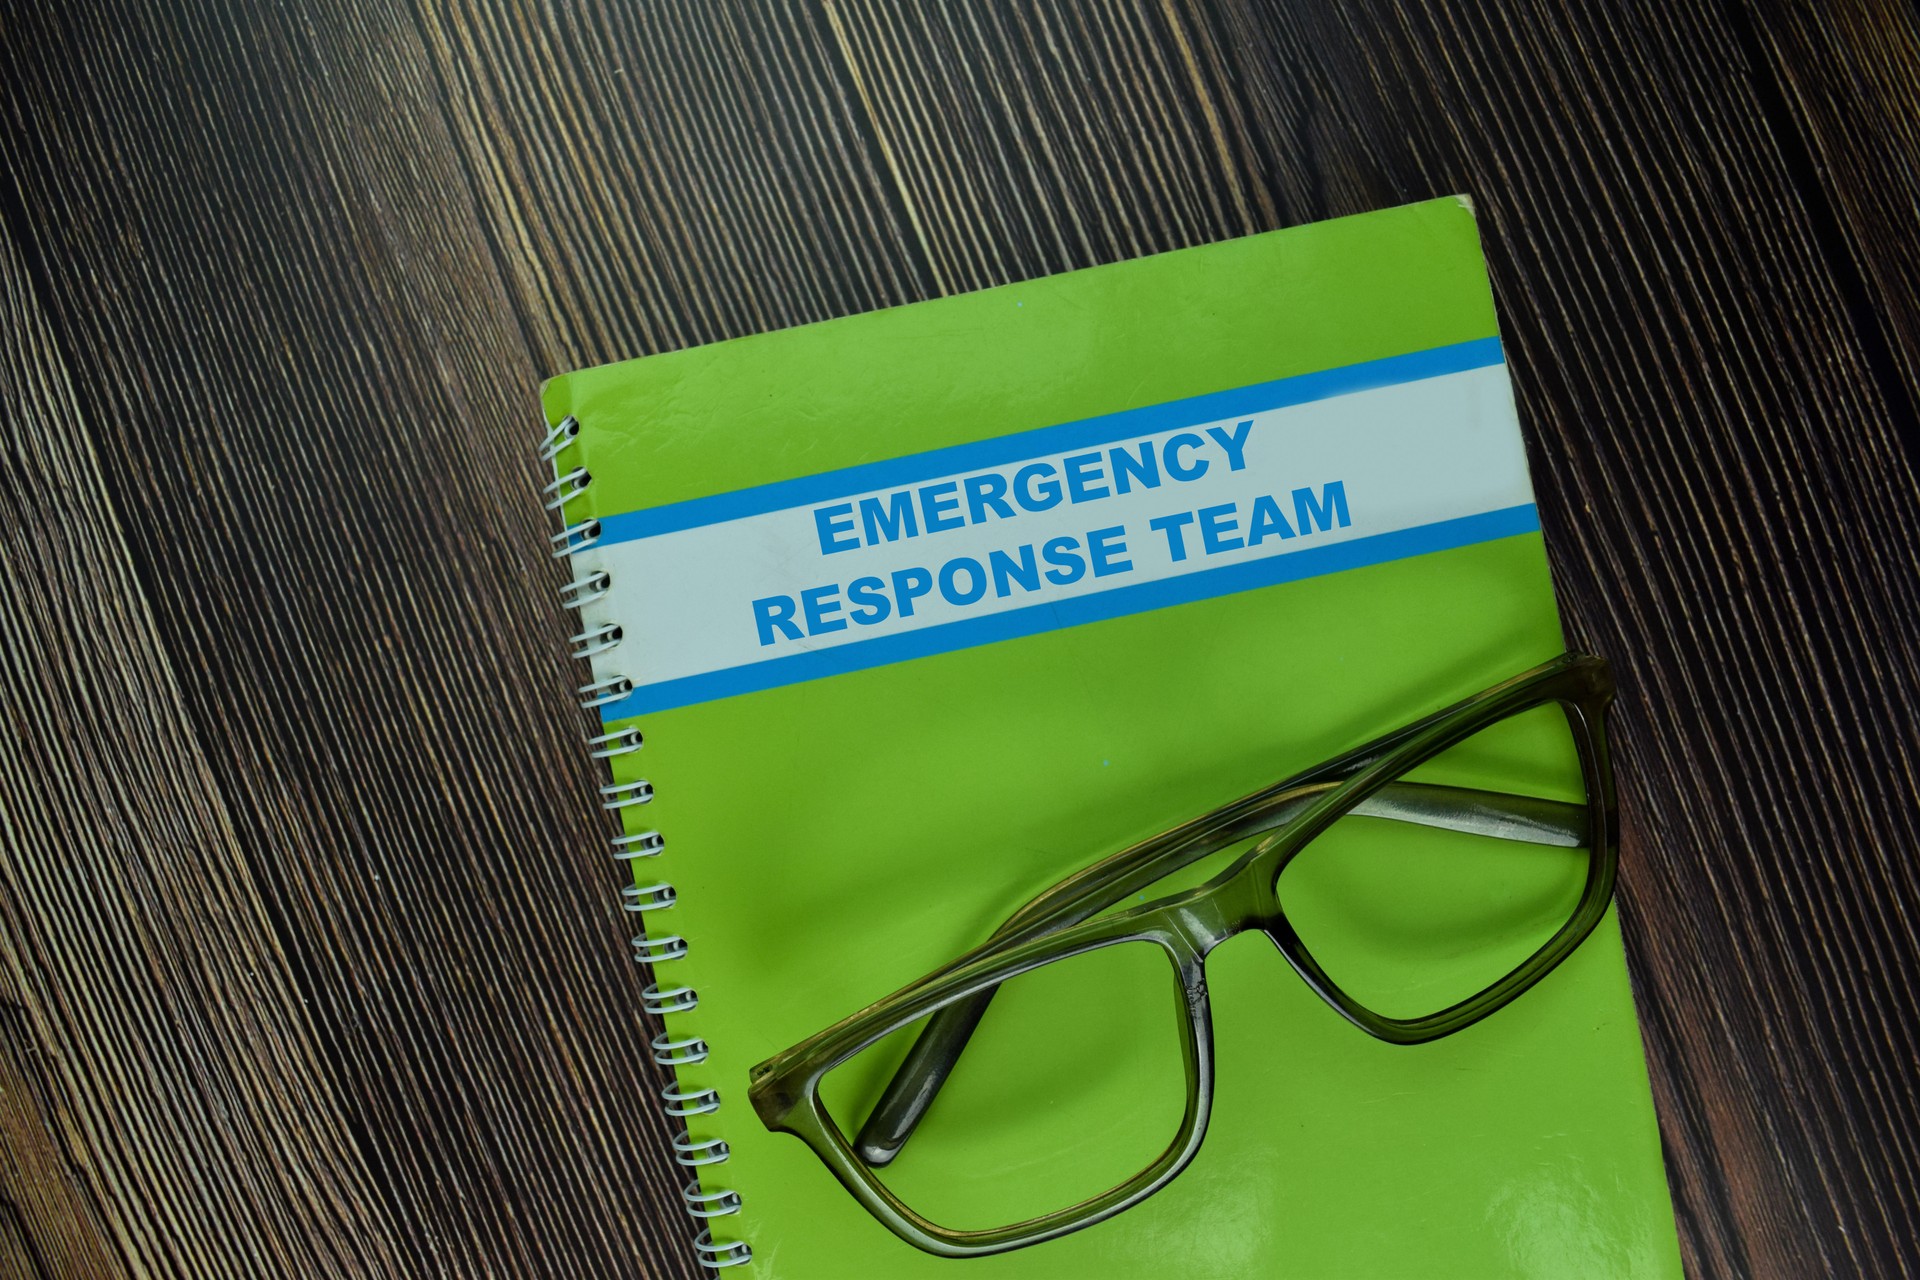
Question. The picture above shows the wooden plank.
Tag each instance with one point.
(1727, 502)
(1842, 82)
(18, 1254)
(49, 1226)
(16, 1251)
(1035, 139)
(164, 1108)
(313, 405)
(655, 176)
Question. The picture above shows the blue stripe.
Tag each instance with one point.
(982, 455)
(1034, 619)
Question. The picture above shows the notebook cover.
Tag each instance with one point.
(849, 803)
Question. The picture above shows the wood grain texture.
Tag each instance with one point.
(338, 968)
(49, 1223)
(157, 1067)
(662, 176)
(310, 406)
(1856, 169)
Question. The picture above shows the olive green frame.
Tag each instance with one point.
(1062, 923)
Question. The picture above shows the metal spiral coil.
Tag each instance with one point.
(575, 538)
(623, 794)
(595, 641)
(690, 1102)
(648, 897)
(567, 488)
(687, 1051)
(646, 844)
(709, 1204)
(693, 1152)
(584, 590)
(618, 743)
(659, 999)
(595, 638)
(600, 692)
(663, 950)
(559, 437)
(717, 1254)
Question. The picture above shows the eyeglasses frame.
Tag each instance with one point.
(1188, 926)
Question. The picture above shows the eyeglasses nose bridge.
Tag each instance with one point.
(1210, 922)
(1250, 902)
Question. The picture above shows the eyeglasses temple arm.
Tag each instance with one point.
(919, 1078)
(1525, 819)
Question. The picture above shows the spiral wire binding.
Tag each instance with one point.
(649, 948)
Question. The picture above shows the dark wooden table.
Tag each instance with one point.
(309, 962)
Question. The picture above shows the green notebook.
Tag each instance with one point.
(897, 620)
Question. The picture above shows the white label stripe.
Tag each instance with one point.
(1035, 619)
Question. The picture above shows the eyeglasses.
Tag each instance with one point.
(1062, 1071)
